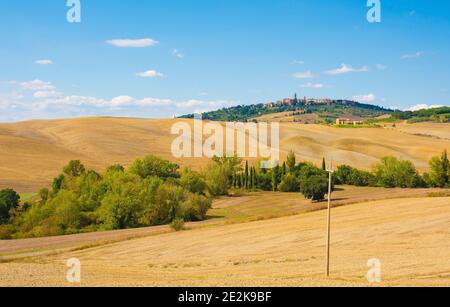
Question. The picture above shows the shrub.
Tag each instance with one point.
(177, 224)
(196, 207)
(152, 166)
(391, 173)
(314, 187)
(439, 175)
(74, 169)
(290, 183)
(193, 182)
(9, 200)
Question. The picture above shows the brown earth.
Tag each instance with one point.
(34, 152)
(408, 236)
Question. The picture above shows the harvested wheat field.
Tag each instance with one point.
(34, 152)
(409, 237)
(226, 210)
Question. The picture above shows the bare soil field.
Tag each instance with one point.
(409, 236)
(34, 152)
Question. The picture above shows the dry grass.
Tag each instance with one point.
(227, 210)
(33, 152)
(409, 236)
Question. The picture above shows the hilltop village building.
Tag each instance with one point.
(296, 101)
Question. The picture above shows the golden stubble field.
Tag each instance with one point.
(34, 152)
(409, 236)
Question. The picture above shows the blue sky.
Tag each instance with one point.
(198, 55)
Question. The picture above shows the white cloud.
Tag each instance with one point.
(423, 107)
(133, 43)
(412, 55)
(46, 94)
(298, 62)
(303, 75)
(365, 98)
(121, 101)
(41, 100)
(381, 67)
(44, 62)
(345, 69)
(313, 85)
(150, 74)
(177, 54)
(35, 85)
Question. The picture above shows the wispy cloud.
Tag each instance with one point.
(313, 85)
(412, 55)
(365, 98)
(423, 107)
(303, 75)
(133, 43)
(345, 69)
(43, 62)
(298, 62)
(150, 74)
(177, 53)
(381, 66)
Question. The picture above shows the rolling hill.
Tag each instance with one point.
(34, 152)
(409, 241)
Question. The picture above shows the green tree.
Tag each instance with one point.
(290, 183)
(291, 161)
(440, 171)
(193, 182)
(152, 166)
(196, 207)
(9, 200)
(315, 188)
(246, 179)
(392, 172)
(275, 176)
(324, 165)
(44, 195)
(115, 168)
(216, 178)
(283, 169)
(57, 184)
(74, 169)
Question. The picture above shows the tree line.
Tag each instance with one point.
(153, 191)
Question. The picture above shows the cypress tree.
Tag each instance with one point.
(255, 179)
(324, 165)
(246, 180)
(275, 174)
(283, 170)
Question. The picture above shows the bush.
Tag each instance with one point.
(391, 173)
(196, 207)
(315, 187)
(439, 175)
(290, 183)
(177, 224)
(351, 176)
(9, 200)
(152, 166)
(217, 180)
(193, 182)
(74, 169)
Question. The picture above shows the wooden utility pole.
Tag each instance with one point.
(330, 172)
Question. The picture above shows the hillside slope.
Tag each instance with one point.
(408, 236)
(33, 152)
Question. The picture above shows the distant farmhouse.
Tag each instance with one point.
(350, 120)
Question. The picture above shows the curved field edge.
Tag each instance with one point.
(407, 235)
